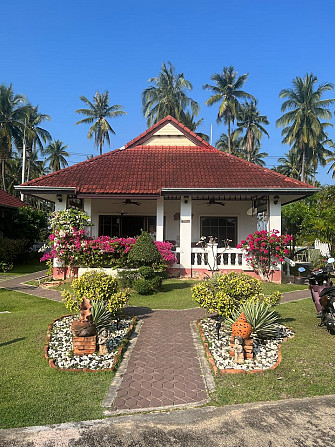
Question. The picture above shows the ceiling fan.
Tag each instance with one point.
(214, 202)
(131, 202)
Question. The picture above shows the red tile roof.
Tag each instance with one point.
(10, 201)
(149, 169)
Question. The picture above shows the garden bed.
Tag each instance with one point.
(59, 348)
(266, 352)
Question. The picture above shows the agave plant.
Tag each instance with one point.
(263, 320)
(100, 314)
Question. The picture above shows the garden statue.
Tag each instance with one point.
(84, 327)
(241, 345)
(103, 338)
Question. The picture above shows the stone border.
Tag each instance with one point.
(217, 371)
(117, 358)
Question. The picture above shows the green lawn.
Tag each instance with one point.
(31, 392)
(23, 269)
(307, 368)
(269, 287)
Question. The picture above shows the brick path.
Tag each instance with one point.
(17, 285)
(163, 369)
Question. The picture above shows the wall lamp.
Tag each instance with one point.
(185, 199)
(59, 197)
(276, 200)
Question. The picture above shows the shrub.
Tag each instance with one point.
(100, 314)
(126, 278)
(225, 293)
(143, 286)
(11, 249)
(146, 272)
(263, 320)
(96, 286)
(156, 282)
(144, 252)
(117, 302)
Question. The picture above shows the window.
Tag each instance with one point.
(220, 227)
(124, 225)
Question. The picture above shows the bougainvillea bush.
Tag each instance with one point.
(70, 243)
(265, 251)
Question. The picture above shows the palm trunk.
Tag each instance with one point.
(303, 163)
(3, 174)
(249, 145)
(229, 145)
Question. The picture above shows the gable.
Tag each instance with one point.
(168, 135)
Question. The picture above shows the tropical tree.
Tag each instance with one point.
(235, 143)
(250, 120)
(303, 109)
(56, 155)
(35, 136)
(168, 96)
(227, 91)
(96, 114)
(13, 111)
(190, 121)
(255, 156)
(331, 159)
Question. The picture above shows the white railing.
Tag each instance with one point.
(222, 258)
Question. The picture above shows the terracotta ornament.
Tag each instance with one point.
(241, 327)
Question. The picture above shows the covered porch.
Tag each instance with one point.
(182, 218)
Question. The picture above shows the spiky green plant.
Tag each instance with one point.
(100, 314)
(263, 320)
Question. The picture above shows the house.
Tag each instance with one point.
(8, 208)
(171, 179)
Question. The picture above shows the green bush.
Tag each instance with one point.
(146, 272)
(143, 286)
(144, 252)
(263, 320)
(12, 249)
(117, 302)
(156, 282)
(126, 278)
(226, 293)
(95, 285)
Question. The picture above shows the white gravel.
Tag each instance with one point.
(265, 351)
(61, 350)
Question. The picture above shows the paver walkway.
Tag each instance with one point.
(16, 284)
(163, 369)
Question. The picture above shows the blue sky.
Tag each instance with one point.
(56, 51)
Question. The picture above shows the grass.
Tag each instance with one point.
(307, 368)
(31, 392)
(23, 269)
(269, 287)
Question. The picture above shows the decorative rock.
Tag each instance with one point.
(83, 328)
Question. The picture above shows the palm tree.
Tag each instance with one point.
(167, 96)
(12, 114)
(235, 143)
(190, 121)
(13, 173)
(97, 113)
(304, 109)
(257, 157)
(291, 166)
(227, 91)
(250, 119)
(331, 159)
(57, 153)
(35, 135)
(320, 154)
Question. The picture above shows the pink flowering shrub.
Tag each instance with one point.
(265, 250)
(71, 244)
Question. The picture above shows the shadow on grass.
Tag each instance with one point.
(10, 342)
(175, 286)
(135, 311)
(286, 320)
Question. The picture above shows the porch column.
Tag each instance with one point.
(88, 210)
(185, 233)
(274, 213)
(160, 219)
